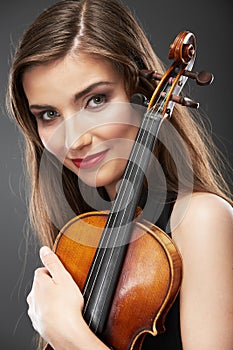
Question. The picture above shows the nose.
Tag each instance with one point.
(77, 135)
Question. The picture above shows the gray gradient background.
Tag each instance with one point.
(211, 21)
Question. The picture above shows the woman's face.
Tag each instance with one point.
(83, 116)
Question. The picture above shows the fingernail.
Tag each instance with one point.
(45, 251)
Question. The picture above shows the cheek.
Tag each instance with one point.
(53, 140)
(116, 120)
(118, 131)
(44, 135)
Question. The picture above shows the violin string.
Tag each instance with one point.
(151, 124)
(109, 235)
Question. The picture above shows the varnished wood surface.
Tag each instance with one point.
(148, 284)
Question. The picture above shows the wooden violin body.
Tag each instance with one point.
(148, 283)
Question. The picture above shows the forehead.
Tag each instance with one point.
(70, 73)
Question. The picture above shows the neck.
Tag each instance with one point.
(111, 190)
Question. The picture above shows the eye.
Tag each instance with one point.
(96, 101)
(48, 115)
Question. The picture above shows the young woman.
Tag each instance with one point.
(70, 86)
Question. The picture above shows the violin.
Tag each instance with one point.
(129, 270)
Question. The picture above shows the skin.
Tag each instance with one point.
(205, 240)
(71, 103)
(203, 233)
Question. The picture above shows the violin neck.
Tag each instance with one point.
(103, 275)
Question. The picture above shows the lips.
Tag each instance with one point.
(89, 161)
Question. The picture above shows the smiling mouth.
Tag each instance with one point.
(89, 161)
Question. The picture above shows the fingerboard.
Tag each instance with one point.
(103, 275)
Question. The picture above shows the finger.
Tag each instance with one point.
(29, 298)
(52, 262)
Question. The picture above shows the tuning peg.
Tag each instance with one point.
(151, 74)
(185, 101)
(139, 99)
(202, 78)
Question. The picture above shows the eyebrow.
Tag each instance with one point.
(90, 88)
(77, 96)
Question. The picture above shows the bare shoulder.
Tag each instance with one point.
(202, 228)
(203, 215)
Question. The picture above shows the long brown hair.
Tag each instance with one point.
(104, 28)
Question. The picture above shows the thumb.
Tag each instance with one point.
(51, 262)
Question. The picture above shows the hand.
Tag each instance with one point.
(55, 301)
